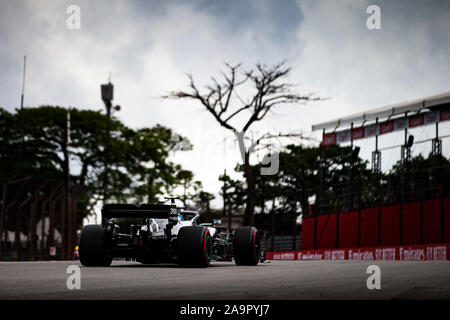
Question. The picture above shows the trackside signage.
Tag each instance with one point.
(432, 252)
(388, 126)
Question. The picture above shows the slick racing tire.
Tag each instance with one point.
(93, 247)
(194, 246)
(246, 246)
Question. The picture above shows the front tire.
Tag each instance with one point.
(93, 247)
(194, 246)
(246, 246)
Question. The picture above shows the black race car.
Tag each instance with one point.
(164, 233)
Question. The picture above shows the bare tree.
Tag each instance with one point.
(264, 89)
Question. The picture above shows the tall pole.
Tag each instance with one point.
(67, 232)
(321, 193)
(404, 160)
(224, 192)
(23, 81)
(436, 149)
(107, 91)
(272, 231)
(350, 180)
(376, 169)
(19, 156)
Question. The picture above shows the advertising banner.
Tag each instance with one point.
(429, 252)
(388, 126)
(416, 121)
(329, 139)
(358, 133)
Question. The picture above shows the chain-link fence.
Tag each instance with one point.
(39, 219)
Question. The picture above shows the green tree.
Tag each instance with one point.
(190, 186)
(34, 143)
(345, 181)
(203, 202)
(422, 178)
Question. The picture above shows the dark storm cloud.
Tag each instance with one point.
(271, 18)
(148, 46)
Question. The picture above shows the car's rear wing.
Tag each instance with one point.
(156, 211)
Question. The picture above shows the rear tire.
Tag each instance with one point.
(246, 246)
(93, 247)
(194, 246)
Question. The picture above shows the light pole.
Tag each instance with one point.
(65, 231)
(107, 93)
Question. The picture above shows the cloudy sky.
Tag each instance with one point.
(149, 46)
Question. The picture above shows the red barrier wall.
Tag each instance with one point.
(369, 227)
(432, 221)
(390, 225)
(326, 231)
(447, 220)
(411, 223)
(348, 229)
(308, 233)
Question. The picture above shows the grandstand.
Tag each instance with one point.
(402, 211)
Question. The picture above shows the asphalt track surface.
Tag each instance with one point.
(283, 280)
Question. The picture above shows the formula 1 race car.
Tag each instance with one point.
(165, 233)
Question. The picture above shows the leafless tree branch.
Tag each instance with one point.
(269, 91)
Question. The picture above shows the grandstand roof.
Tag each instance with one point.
(432, 102)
